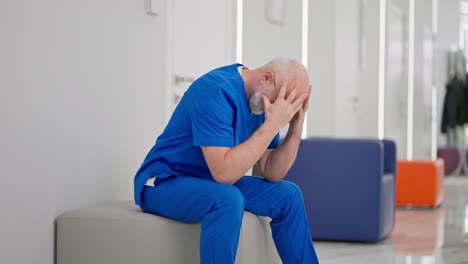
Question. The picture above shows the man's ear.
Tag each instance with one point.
(268, 76)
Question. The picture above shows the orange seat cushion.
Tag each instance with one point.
(420, 183)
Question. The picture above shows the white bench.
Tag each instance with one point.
(121, 233)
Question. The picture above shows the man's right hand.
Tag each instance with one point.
(279, 113)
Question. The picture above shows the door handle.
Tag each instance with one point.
(150, 8)
(183, 79)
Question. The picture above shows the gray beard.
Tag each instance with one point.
(256, 104)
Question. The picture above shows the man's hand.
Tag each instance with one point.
(297, 122)
(279, 113)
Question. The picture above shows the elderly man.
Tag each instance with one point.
(226, 123)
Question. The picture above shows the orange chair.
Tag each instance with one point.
(420, 183)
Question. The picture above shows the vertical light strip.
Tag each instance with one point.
(434, 122)
(466, 220)
(305, 48)
(240, 17)
(461, 35)
(435, 16)
(409, 259)
(382, 52)
(409, 139)
(434, 81)
(170, 89)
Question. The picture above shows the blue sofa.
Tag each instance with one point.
(348, 187)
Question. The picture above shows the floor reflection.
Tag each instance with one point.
(418, 232)
(418, 235)
(421, 236)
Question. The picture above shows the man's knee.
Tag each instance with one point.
(291, 191)
(230, 198)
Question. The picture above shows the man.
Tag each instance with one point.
(226, 123)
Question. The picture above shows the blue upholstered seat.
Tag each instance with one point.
(348, 187)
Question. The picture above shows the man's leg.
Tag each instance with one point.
(219, 207)
(282, 202)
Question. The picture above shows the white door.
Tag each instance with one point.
(423, 80)
(347, 60)
(396, 89)
(423, 99)
(201, 37)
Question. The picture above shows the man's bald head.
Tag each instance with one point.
(267, 80)
(291, 71)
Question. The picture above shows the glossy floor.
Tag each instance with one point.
(421, 236)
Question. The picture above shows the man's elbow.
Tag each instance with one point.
(275, 177)
(224, 178)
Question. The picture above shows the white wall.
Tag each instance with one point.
(369, 77)
(448, 22)
(347, 68)
(345, 81)
(196, 45)
(344, 95)
(321, 116)
(263, 40)
(82, 90)
(332, 40)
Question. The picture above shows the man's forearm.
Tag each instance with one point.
(240, 159)
(282, 158)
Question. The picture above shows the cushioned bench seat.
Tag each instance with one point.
(121, 233)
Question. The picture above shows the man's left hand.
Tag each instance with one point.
(297, 122)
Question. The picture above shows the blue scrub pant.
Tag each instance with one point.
(220, 208)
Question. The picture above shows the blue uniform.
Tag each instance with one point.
(214, 112)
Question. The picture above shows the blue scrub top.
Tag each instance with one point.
(214, 111)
